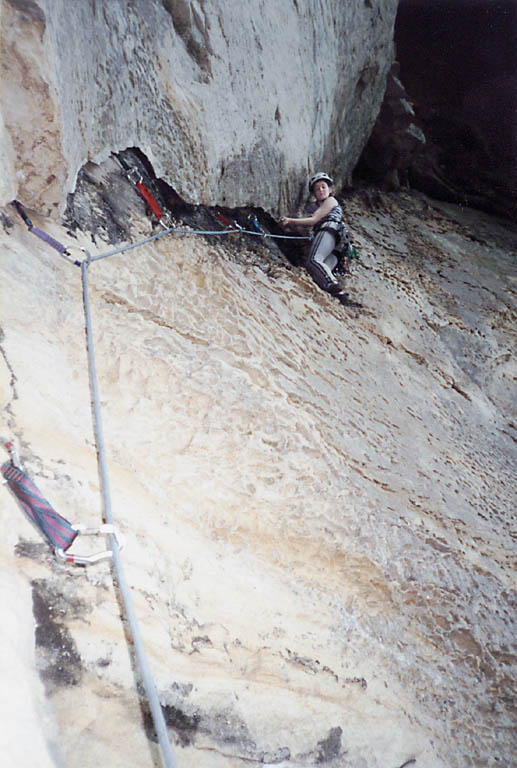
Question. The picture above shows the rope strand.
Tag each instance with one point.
(145, 669)
(125, 593)
(173, 230)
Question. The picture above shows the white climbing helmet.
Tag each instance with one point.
(320, 177)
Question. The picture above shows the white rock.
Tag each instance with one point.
(317, 502)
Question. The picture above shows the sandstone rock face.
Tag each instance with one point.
(233, 104)
(317, 501)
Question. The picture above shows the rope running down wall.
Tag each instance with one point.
(141, 655)
(143, 662)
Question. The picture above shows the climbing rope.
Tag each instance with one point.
(114, 543)
(145, 669)
(128, 247)
(176, 231)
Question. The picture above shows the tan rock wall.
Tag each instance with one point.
(233, 104)
(317, 501)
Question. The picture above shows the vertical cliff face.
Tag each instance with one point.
(231, 104)
(317, 501)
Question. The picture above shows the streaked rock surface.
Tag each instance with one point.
(318, 502)
(232, 103)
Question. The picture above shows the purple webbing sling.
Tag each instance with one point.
(48, 239)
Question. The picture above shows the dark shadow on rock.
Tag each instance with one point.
(329, 748)
(58, 660)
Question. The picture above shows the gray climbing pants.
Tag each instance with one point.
(322, 261)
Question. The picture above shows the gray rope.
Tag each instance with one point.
(145, 669)
(268, 234)
(143, 662)
(128, 247)
(173, 230)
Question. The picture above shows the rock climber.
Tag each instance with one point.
(327, 230)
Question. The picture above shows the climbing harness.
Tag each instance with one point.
(57, 530)
(59, 247)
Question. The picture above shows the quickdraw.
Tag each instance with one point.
(59, 247)
(136, 178)
(255, 224)
(230, 225)
(58, 531)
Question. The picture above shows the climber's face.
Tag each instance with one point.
(321, 190)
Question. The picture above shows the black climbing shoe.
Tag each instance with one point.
(343, 299)
(335, 289)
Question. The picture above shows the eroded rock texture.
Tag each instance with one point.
(231, 103)
(318, 501)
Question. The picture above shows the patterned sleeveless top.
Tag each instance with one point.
(335, 215)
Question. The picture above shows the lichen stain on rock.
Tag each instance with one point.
(225, 728)
(30, 12)
(184, 726)
(58, 661)
(34, 550)
(43, 174)
(193, 30)
(330, 748)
